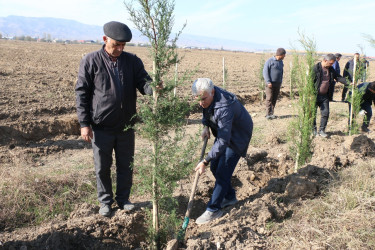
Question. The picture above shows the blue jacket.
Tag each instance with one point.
(230, 123)
(273, 71)
(336, 67)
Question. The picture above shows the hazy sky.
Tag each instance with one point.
(336, 25)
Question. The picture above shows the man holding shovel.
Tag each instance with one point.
(232, 127)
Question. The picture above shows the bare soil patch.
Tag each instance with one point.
(39, 133)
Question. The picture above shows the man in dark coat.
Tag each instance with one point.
(232, 127)
(324, 76)
(348, 73)
(106, 103)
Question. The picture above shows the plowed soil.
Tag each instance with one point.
(37, 116)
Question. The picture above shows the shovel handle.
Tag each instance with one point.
(196, 178)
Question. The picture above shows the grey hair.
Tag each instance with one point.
(330, 57)
(202, 85)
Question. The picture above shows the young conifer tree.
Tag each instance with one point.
(293, 75)
(162, 118)
(300, 129)
(261, 83)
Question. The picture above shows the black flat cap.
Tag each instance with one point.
(117, 31)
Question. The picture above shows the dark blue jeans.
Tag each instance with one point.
(103, 144)
(366, 106)
(223, 168)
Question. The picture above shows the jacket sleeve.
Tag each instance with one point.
(142, 79)
(83, 89)
(225, 120)
(266, 72)
(338, 78)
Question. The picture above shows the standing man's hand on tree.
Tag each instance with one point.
(86, 133)
(269, 85)
(205, 133)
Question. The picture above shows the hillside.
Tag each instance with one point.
(72, 30)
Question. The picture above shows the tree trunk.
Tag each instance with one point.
(351, 104)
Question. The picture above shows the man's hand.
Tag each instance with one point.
(200, 167)
(86, 133)
(205, 133)
(269, 85)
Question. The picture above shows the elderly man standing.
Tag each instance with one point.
(273, 71)
(106, 103)
(324, 77)
(232, 126)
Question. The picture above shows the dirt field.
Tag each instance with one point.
(39, 135)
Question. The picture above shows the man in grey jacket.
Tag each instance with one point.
(106, 103)
(273, 71)
(232, 127)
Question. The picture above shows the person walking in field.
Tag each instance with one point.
(106, 103)
(273, 71)
(232, 127)
(348, 73)
(336, 67)
(324, 77)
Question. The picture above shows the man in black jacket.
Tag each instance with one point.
(324, 76)
(106, 103)
(348, 72)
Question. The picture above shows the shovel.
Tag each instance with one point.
(181, 233)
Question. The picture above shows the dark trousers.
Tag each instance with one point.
(322, 102)
(271, 97)
(366, 106)
(331, 91)
(223, 168)
(344, 91)
(103, 144)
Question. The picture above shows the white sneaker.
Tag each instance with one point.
(105, 210)
(128, 206)
(208, 216)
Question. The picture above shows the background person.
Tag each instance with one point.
(106, 102)
(336, 67)
(273, 71)
(348, 73)
(232, 127)
(324, 76)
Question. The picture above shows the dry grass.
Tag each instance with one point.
(343, 218)
(31, 195)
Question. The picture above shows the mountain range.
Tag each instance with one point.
(65, 29)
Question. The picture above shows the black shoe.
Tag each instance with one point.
(366, 130)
